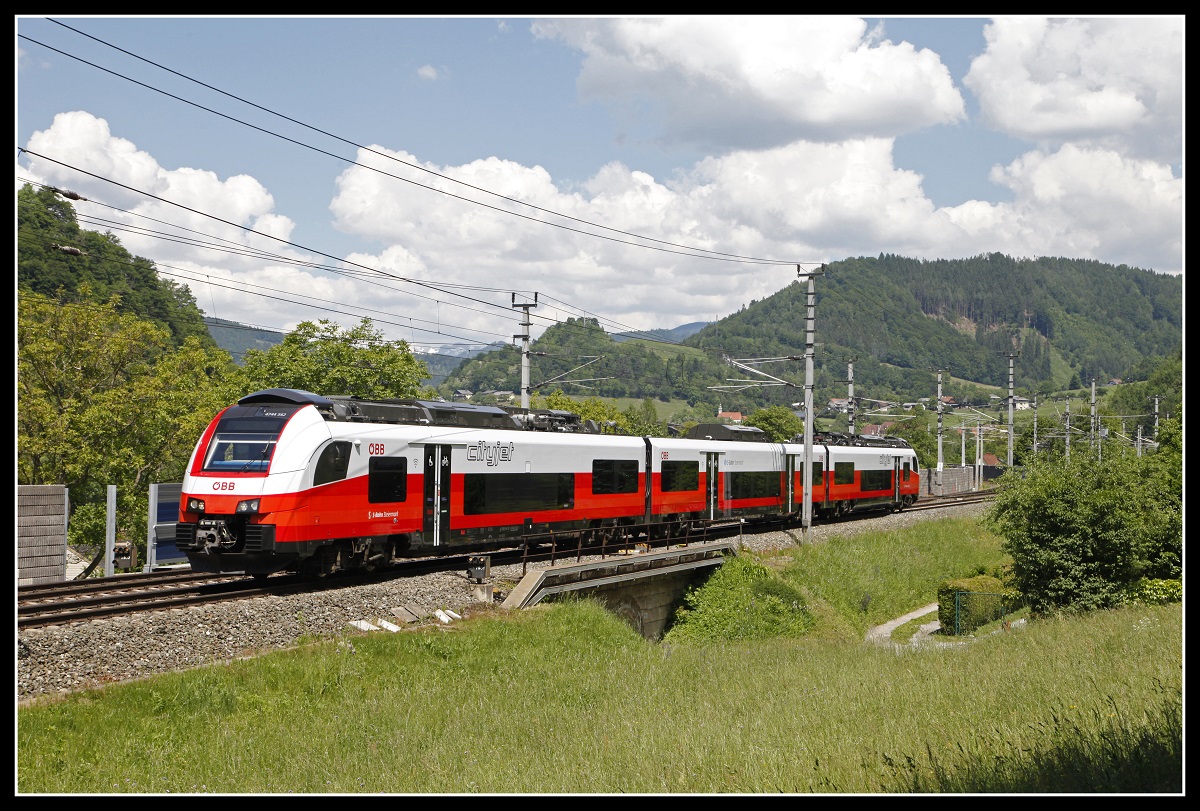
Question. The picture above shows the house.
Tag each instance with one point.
(462, 394)
(871, 430)
(1022, 403)
(839, 404)
(947, 400)
(990, 460)
(733, 416)
(1116, 381)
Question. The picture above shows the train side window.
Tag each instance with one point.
(611, 476)
(488, 493)
(843, 473)
(753, 484)
(332, 464)
(387, 479)
(678, 477)
(876, 480)
(818, 472)
(907, 470)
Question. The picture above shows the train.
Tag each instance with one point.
(290, 480)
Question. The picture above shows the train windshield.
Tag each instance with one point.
(244, 441)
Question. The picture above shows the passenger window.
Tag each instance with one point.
(333, 463)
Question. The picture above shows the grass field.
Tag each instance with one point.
(566, 698)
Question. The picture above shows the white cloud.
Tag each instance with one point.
(1114, 83)
(428, 72)
(801, 115)
(728, 83)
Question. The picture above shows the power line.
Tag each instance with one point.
(698, 253)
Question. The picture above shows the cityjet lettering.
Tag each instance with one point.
(492, 454)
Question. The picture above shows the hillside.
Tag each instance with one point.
(892, 321)
(237, 338)
(898, 321)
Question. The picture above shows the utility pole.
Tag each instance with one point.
(850, 394)
(1035, 425)
(940, 428)
(978, 454)
(962, 435)
(1010, 407)
(809, 349)
(525, 323)
(1139, 441)
(1156, 398)
(1092, 423)
(1068, 437)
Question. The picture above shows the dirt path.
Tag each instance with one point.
(883, 633)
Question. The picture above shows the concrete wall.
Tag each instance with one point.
(41, 533)
(953, 480)
(648, 603)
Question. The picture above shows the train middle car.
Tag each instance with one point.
(291, 480)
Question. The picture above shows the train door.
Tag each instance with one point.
(793, 501)
(712, 478)
(896, 469)
(436, 519)
(820, 482)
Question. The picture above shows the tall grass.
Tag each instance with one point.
(565, 698)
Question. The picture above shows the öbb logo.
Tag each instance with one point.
(492, 454)
(223, 485)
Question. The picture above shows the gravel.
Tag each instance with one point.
(57, 660)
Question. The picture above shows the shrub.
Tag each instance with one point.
(741, 600)
(1150, 591)
(1083, 532)
(965, 604)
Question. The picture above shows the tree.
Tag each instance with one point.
(326, 358)
(1083, 532)
(603, 412)
(47, 223)
(104, 399)
(780, 423)
(643, 420)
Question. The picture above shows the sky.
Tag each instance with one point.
(433, 173)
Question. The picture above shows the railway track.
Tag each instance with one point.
(97, 598)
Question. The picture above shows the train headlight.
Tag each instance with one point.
(250, 505)
(195, 505)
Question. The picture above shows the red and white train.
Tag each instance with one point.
(291, 480)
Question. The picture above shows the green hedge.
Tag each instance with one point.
(980, 600)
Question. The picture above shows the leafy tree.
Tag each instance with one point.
(1083, 532)
(779, 422)
(603, 412)
(643, 420)
(326, 358)
(104, 399)
(46, 224)
(921, 433)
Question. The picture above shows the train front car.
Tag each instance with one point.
(243, 482)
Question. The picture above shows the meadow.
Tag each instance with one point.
(564, 698)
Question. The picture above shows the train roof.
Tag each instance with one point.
(730, 433)
(837, 438)
(406, 411)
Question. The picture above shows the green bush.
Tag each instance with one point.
(1082, 532)
(967, 603)
(1159, 592)
(741, 600)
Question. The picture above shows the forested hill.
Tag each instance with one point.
(899, 320)
(965, 316)
(98, 262)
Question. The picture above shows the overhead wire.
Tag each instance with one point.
(699, 253)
